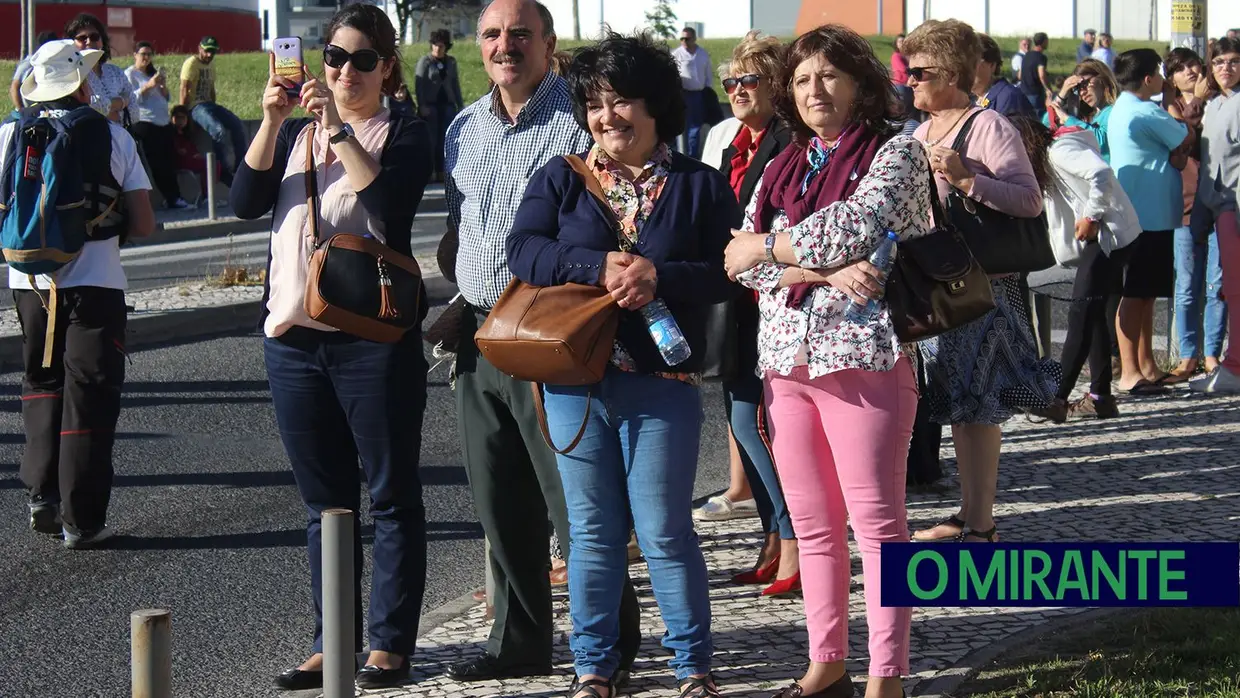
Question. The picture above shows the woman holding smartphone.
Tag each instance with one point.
(152, 127)
(339, 398)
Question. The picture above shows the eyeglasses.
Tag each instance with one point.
(87, 38)
(145, 54)
(1232, 63)
(365, 60)
(749, 82)
(919, 74)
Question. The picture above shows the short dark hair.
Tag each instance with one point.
(1040, 39)
(1179, 58)
(442, 36)
(634, 67)
(990, 51)
(1133, 67)
(1091, 31)
(86, 20)
(1221, 47)
(375, 25)
(180, 110)
(143, 44)
(875, 108)
(691, 30)
(45, 37)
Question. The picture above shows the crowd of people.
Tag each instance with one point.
(567, 173)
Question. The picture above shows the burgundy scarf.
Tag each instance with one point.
(781, 184)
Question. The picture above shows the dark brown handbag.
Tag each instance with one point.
(357, 284)
(936, 285)
(560, 335)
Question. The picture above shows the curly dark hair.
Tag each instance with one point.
(634, 67)
(876, 106)
(86, 20)
(375, 25)
(442, 36)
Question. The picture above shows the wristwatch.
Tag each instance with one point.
(770, 248)
(344, 133)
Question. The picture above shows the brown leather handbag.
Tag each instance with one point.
(936, 285)
(357, 284)
(561, 335)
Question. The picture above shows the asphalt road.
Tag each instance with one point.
(210, 526)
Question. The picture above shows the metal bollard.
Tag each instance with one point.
(338, 651)
(150, 648)
(211, 186)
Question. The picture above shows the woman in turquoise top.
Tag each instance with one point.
(1096, 90)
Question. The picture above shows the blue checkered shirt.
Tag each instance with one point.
(488, 160)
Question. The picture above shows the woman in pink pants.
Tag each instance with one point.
(840, 393)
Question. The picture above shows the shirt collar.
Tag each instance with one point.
(538, 100)
(661, 157)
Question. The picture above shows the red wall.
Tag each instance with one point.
(171, 29)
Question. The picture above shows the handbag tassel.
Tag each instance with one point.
(387, 311)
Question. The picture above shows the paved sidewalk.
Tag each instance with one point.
(1166, 470)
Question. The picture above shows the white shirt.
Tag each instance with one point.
(1016, 61)
(1083, 185)
(718, 139)
(694, 68)
(99, 262)
(152, 106)
(112, 84)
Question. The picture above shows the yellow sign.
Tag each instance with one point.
(1187, 17)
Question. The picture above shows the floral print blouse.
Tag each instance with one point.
(632, 201)
(894, 195)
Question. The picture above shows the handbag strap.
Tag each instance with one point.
(312, 183)
(936, 208)
(959, 142)
(546, 430)
(592, 185)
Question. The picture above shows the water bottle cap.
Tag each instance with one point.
(891, 235)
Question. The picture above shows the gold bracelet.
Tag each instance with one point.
(802, 274)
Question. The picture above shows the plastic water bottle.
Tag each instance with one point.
(883, 258)
(666, 333)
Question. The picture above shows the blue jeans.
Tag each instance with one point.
(339, 399)
(225, 130)
(695, 117)
(742, 398)
(1198, 283)
(637, 461)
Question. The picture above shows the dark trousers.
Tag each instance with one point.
(1089, 322)
(70, 409)
(439, 119)
(161, 154)
(695, 118)
(339, 399)
(516, 487)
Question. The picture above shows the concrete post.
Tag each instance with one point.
(150, 647)
(339, 664)
(30, 27)
(1188, 25)
(211, 186)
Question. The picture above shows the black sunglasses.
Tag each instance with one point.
(86, 38)
(919, 74)
(749, 82)
(364, 60)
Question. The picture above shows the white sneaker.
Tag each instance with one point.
(1221, 381)
(720, 508)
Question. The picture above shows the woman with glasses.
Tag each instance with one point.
(109, 88)
(981, 374)
(751, 86)
(153, 128)
(1216, 200)
(339, 398)
(1088, 95)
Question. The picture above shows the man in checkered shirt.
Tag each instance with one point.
(492, 149)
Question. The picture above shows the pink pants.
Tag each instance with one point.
(840, 443)
(1227, 227)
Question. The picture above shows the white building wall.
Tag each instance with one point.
(718, 18)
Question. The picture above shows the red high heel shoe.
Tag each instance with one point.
(762, 575)
(784, 587)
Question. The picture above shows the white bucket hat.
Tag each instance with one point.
(58, 69)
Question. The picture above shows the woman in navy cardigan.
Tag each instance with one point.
(638, 457)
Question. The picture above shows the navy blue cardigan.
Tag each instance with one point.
(561, 235)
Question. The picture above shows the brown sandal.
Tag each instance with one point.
(953, 521)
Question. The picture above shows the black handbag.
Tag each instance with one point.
(936, 285)
(1000, 243)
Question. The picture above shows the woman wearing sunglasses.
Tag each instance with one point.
(339, 398)
(756, 137)
(109, 88)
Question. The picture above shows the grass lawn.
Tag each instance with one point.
(1151, 654)
(240, 76)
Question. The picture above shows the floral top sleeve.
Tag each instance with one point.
(895, 196)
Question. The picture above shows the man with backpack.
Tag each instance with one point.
(71, 189)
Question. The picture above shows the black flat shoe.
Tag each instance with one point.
(372, 676)
(487, 667)
(589, 688)
(298, 680)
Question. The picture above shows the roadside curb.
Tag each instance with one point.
(945, 683)
(149, 328)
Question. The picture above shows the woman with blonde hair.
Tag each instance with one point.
(980, 374)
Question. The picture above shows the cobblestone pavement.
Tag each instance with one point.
(1166, 470)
